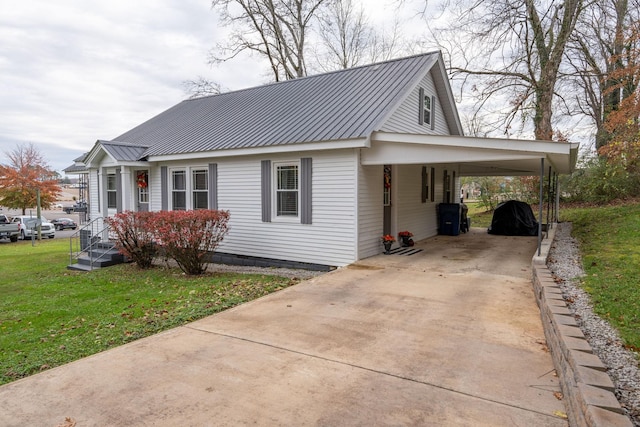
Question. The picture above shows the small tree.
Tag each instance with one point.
(135, 240)
(25, 174)
(189, 236)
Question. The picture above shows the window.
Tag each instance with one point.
(112, 193)
(200, 188)
(178, 190)
(287, 177)
(427, 110)
(193, 182)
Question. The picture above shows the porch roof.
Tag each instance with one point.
(476, 156)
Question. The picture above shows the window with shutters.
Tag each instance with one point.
(200, 188)
(112, 192)
(179, 190)
(287, 190)
(189, 189)
(427, 110)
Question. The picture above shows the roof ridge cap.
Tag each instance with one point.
(374, 64)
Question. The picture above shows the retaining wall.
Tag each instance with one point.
(586, 386)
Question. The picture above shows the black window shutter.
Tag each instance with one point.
(433, 184)
(266, 190)
(306, 174)
(213, 186)
(424, 184)
(421, 106)
(118, 190)
(164, 188)
(433, 112)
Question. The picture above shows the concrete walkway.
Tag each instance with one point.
(450, 336)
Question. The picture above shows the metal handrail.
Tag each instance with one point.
(87, 238)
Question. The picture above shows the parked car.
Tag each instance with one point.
(8, 229)
(28, 227)
(78, 207)
(64, 223)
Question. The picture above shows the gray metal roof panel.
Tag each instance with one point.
(123, 151)
(344, 104)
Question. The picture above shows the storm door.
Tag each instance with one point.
(142, 185)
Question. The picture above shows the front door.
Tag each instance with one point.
(142, 185)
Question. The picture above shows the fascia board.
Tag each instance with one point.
(276, 149)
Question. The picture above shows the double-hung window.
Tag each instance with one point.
(179, 190)
(189, 189)
(112, 193)
(287, 189)
(200, 188)
(427, 110)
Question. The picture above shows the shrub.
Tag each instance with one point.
(134, 236)
(188, 236)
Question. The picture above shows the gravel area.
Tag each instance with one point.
(290, 273)
(565, 263)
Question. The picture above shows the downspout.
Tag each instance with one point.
(540, 201)
(549, 192)
(557, 193)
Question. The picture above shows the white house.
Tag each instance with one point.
(312, 170)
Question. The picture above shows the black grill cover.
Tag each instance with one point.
(514, 218)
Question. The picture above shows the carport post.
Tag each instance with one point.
(540, 206)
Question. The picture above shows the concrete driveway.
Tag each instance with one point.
(449, 336)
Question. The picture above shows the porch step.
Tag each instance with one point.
(102, 255)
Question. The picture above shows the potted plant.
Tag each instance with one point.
(387, 241)
(406, 237)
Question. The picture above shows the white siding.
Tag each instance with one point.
(405, 118)
(413, 215)
(94, 194)
(370, 210)
(329, 240)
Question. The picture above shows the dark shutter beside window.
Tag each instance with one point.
(433, 112)
(266, 190)
(306, 174)
(164, 188)
(425, 184)
(420, 106)
(213, 186)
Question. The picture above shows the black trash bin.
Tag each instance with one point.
(449, 219)
(85, 239)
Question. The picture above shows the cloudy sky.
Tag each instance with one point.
(74, 71)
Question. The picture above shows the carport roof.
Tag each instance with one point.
(476, 156)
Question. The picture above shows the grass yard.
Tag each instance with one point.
(610, 244)
(50, 315)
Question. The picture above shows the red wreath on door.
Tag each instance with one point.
(142, 180)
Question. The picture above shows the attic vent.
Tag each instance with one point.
(375, 67)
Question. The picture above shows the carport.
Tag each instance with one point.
(481, 157)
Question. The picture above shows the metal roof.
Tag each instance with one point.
(340, 105)
(123, 152)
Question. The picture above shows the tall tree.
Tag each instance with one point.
(600, 49)
(20, 179)
(345, 33)
(516, 49)
(275, 29)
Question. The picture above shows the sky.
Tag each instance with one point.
(75, 71)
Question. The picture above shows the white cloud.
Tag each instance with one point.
(75, 71)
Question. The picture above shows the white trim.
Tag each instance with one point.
(276, 149)
(274, 193)
(477, 156)
(188, 173)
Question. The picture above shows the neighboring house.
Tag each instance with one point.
(312, 170)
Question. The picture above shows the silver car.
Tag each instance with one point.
(28, 227)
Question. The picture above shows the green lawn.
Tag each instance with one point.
(50, 315)
(610, 245)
